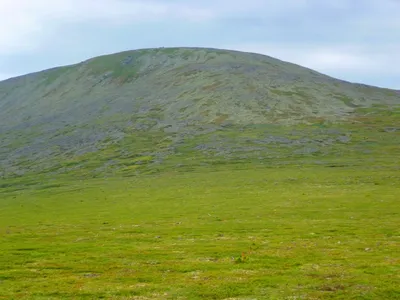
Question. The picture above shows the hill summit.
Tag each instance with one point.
(173, 93)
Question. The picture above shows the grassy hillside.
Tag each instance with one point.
(319, 224)
(159, 99)
(369, 136)
(197, 174)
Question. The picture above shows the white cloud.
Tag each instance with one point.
(24, 24)
(27, 24)
(334, 37)
(332, 59)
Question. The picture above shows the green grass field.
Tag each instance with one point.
(263, 224)
(242, 232)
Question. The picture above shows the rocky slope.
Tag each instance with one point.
(172, 93)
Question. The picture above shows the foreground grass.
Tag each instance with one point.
(256, 233)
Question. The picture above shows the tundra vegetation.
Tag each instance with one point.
(184, 173)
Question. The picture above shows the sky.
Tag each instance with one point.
(354, 40)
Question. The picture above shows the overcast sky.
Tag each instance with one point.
(355, 40)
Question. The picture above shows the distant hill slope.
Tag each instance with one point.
(78, 108)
